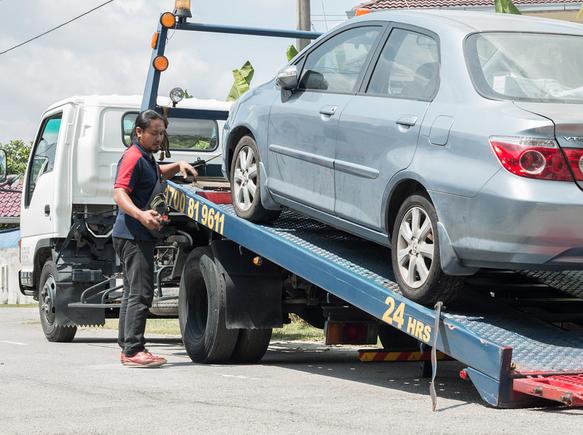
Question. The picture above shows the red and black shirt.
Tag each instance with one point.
(137, 173)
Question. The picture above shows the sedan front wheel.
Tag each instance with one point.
(246, 183)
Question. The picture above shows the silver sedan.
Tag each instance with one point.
(454, 138)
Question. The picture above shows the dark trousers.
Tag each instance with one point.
(137, 260)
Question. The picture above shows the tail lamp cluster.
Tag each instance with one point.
(538, 158)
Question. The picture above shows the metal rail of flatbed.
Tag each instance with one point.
(496, 342)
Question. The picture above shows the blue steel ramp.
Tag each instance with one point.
(496, 342)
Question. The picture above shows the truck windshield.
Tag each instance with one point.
(527, 66)
(183, 134)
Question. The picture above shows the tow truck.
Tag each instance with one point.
(519, 339)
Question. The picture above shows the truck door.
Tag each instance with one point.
(38, 211)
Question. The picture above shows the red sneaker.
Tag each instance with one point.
(142, 359)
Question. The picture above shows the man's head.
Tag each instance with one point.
(150, 130)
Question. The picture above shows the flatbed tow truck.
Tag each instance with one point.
(520, 340)
(514, 358)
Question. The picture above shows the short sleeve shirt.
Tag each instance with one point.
(137, 173)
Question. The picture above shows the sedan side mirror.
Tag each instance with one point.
(3, 166)
(288, 78)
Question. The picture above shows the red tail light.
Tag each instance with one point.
(531, 157)
(575, 158)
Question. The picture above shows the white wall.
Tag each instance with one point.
(9, 267)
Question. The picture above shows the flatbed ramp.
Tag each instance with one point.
(513, 358)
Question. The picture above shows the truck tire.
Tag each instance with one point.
(415, 254)
(251, 345)
(201, 310)
(246, 183)
(47, 298)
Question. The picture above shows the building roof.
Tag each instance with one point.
(10, 193)
(412, 4)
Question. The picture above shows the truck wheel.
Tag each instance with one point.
(246, 184)
(251, 345)
(47, 298)
(201, 310)
(415, 254)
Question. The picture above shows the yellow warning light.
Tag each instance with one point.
(257, 261)
(168, 20)
(182, 9)
(161, 63)
(361, 11)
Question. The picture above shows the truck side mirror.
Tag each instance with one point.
(287, 78)
(3, 166)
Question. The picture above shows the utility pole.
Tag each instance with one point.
(304, 21)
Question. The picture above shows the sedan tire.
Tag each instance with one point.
(415, 254)
(246, 183)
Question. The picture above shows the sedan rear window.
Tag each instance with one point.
(527, 66)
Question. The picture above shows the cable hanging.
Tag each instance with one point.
(55, 28)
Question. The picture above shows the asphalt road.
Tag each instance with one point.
(298, 388)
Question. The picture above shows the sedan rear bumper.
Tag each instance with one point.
(515, 222)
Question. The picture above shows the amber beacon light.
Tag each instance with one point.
(182, 9)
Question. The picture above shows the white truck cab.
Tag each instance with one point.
(67, 202)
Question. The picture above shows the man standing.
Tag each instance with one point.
(137, 176)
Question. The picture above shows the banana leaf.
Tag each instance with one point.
(292, 52)
(506, 7)
(242, 81)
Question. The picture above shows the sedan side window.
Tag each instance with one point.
(407, 68)
(336, 65)
(43, 158)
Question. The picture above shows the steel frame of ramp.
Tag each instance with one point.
(497, 343)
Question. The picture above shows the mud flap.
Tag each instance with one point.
(65, 315)
(254, 290)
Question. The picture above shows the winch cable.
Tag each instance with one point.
(432, 392)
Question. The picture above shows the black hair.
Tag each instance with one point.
(143, 120)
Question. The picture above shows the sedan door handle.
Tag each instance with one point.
(47, 210)
(328, 110)
(407, 121)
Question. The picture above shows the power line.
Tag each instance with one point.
(55, 28)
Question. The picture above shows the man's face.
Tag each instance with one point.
(152, 137)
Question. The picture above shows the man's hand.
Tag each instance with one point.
(150, 219)
(185, 169)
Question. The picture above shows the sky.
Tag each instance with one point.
(108, 51)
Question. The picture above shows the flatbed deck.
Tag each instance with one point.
(497, 342)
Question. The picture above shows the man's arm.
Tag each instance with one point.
(149, 218)
(169, 170)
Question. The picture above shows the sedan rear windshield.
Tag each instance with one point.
(527, 66)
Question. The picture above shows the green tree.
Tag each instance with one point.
(17, 152)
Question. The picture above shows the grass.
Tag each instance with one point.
(18, 305)
(297, 330)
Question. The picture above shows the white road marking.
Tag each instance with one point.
(13, 342)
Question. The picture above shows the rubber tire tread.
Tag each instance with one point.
(256, 213)
(215, 344)
(54, 332)
(251, 345)
(439, 286)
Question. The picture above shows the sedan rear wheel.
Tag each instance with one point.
(415, 254)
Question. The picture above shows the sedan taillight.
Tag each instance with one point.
(531, 157)
(575, 158)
